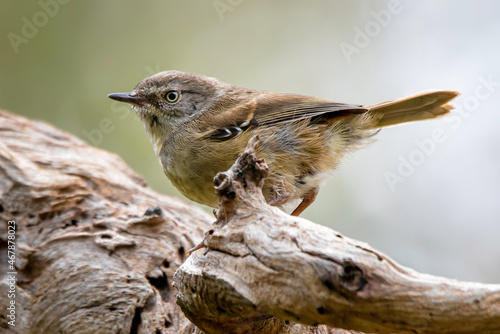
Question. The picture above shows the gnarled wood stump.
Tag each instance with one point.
(96, 252)
(96, 249)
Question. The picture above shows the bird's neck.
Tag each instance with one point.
(156, 136)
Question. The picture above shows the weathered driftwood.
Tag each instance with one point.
(96, 248)
(97, 251)
(263, 265)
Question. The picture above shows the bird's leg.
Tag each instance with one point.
(199, 246)
(307, 200)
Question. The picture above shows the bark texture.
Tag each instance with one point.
(96, 249)
(262, 265)
(96, 252)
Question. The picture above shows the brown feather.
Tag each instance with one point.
(279, 108)
(267, 109)
(418, 107)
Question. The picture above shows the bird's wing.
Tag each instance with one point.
(273, 109)
(281, 108)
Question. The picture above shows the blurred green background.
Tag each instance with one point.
(441, 215)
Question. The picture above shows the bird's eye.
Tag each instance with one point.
(172, 96)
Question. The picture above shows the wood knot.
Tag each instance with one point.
(153, 211)
(352, 279)
(223, 185)
(245, 176)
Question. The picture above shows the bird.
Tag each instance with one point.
(198, 125)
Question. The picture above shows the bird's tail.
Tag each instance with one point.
(418, 107)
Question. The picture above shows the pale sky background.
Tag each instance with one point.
(442, 219)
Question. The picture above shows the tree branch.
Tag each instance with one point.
(96, 249)
(266, 269)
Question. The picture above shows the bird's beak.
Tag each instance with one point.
(132, 98)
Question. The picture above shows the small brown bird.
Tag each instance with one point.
(198, 126)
